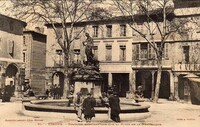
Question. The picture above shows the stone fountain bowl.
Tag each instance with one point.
(61, 106)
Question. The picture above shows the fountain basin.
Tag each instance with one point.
(61, 107)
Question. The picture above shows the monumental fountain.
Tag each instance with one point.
(85, 79)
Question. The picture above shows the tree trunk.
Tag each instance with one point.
(66, 85)
(66, 74)
(153, 87)
(158, 80)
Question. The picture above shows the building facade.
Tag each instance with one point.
(11, 57)
(127, 60)
(34, 56)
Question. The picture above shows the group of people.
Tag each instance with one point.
(86, 106)
(112, 102)
(55, 91)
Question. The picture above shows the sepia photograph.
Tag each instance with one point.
(99, 63)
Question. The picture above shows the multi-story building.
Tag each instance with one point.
(11, 56)
(127, 60)
(112, 48)
(34, 56)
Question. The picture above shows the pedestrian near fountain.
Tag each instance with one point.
(114, 103)
(139, 96)
(78, 105)
(105, 102)
(88, 107)
(58, 92)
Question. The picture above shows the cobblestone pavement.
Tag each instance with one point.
(163, 114)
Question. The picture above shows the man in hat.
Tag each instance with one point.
(88, 107)
(78, 103)
(114, 103)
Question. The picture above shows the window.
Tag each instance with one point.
(24, 40)
(165, 50)
(137, 52)
(59, 33)
(109, 30)
(77, 58)
(151, 52)
(95, 31)
(140, 28)
(59, 57)
(144, 51)
(122, 30)
(11, 48)
(108, 52)
(186, 50)
(77, 32)
(95, 49)
(122, 52)
(58, 51)
(24, 57)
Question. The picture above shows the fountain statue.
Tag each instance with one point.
(87, 78)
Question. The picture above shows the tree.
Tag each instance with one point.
(158, 16)
(65, 12)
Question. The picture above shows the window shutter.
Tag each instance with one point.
(122, 53)
(137, 53)
(11, 48)
(149, 51)
(166, 49)
(108, 52)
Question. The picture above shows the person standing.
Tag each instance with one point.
(114, 103)
(139, 96)
(78, 103)
(105, 102)
(88, 107)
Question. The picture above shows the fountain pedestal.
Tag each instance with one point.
(86, 80)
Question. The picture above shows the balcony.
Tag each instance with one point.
(148, 64)
(186, 67)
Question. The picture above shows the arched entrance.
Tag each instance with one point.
(58, 79)
(11, 78)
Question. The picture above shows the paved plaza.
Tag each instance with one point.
(163, 114)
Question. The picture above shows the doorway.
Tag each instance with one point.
(121, 81)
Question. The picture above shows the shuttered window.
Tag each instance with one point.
(137, 52)
(108, 52)
(122, 53)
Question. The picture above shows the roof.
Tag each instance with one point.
(34, 32)
(24, 23)
(186, 3)
(37, 35)
(156, 15)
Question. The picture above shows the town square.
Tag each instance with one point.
(99, 63)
